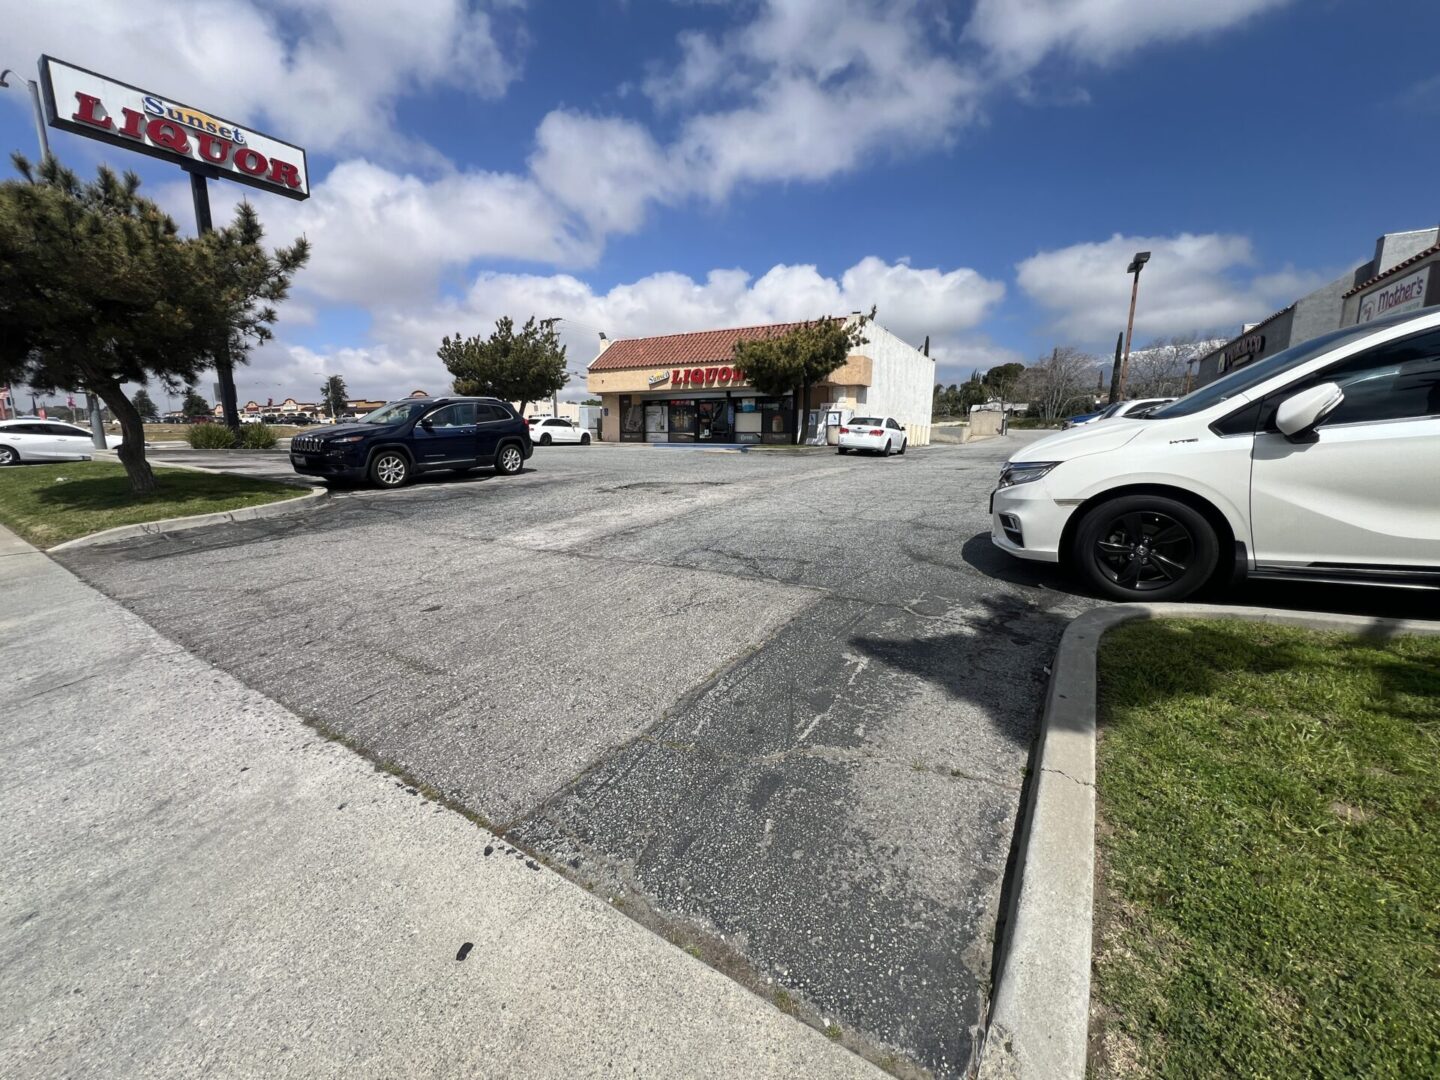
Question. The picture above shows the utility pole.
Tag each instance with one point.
(1136, 265)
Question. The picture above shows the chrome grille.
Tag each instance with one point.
(309, 444)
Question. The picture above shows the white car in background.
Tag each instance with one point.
(33, 439)
(545, 430)
(878, 434)
(1120, 408)
(1319, 463)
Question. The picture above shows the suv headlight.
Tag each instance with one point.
(1024, 472)
(344, 440)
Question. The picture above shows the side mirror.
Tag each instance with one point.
(427, 423)
(1300, 413)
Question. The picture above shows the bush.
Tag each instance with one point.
(210, 437)
(257, 437)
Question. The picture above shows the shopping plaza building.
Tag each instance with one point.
(1395, 279)
(684, 388)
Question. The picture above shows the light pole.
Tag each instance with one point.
(35, 106)
(1136, 265)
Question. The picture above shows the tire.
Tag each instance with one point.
(903, 444)
(389, 469)
(886, 451)
(9, 456)
(1146, 547)
(585, 439)
(842, 449)
(545, 439)
(509, 459)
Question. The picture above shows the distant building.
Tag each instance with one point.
(1396, 278)
(685, 388)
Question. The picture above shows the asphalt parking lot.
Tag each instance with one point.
(776, 706)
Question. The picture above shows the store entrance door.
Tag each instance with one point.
(655, 430)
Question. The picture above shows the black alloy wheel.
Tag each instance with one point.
(545, 439)
(1146, 548)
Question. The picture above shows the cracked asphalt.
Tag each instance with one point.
(776, 706)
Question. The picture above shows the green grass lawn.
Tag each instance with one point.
(1269, 848)
(49, 504)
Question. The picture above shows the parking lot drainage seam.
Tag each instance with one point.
(1040, 1005)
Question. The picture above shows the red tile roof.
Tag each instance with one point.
(679, 350)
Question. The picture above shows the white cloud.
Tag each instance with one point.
(326, 74)
(604, 169)
(946, 305)
(380, 237)
(1192, 284)
(1019, 34)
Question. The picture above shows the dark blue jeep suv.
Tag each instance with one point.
(417, 435)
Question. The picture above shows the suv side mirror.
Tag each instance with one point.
(427, 423)
(1299, 414)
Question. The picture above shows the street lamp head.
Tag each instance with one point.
(1140, 259)
(7, 71)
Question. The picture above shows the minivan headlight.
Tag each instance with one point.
(1024, 472)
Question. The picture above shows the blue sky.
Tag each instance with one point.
(981, 172)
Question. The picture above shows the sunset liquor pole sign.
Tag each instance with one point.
(204, 145)
(84, 103)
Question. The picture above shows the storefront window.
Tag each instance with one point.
(683, 421)
(775, 424)
(713, 420)
(632, 420)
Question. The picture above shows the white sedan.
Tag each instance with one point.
(33, 439)
(878, 434)
(545, 430)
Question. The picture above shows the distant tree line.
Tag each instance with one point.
(1069, 381)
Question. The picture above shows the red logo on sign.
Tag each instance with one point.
(706, 376)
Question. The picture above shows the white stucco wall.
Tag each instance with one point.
(902, 383)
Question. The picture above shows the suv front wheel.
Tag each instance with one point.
(390, 469)
(1146, 547)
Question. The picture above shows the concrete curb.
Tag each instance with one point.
(195, 521)
(1039, 1015)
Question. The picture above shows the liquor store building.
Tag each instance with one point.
(683, 388)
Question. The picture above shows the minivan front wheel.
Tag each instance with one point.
(1146, 547)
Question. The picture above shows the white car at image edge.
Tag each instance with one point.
(31, 439)
(1319, 463)
(545, 430)
(877, 434)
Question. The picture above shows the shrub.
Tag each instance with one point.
(210, 437)
(257, 437)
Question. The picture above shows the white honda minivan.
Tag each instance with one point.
(1319, 463)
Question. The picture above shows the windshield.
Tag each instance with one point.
(397, 412)
(864, 421)
(1109, 410)
(1250, 376)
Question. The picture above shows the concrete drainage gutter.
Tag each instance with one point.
(1039, 1015)
(196, 521)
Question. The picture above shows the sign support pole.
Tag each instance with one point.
(224, 370)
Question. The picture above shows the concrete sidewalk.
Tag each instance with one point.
(197, 884)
